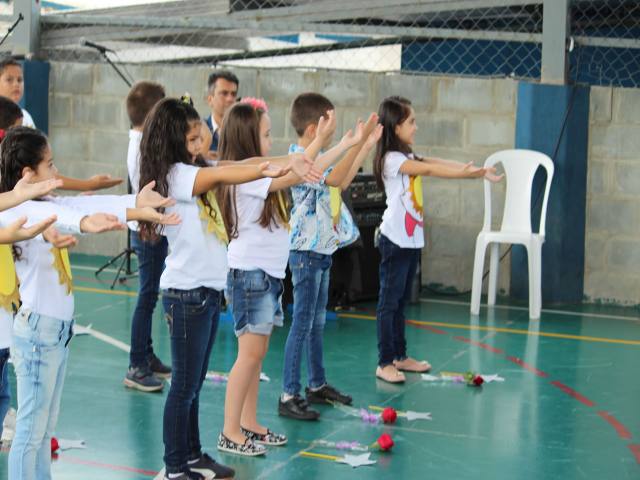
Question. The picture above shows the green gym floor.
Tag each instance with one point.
(568, 408)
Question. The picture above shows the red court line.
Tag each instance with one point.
(426, 327)
(526, 366)
(635, 449)
(479, 344)
(572, 393)
(620, 429)
(107, 466)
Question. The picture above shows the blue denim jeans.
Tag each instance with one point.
(255, 298)
(310, 277)
(39, 351)
(397, 269)
(5, 391)
(151, 258)
(193, 322)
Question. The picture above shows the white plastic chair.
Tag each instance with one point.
(520, 167)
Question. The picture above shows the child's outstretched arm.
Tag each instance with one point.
(491, 176)
(25, 190)
(367, 146)
(417, 167)
(17, 232)
(295, 165)
(97, 182)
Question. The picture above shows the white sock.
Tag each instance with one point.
(174, 475)
(285, 397)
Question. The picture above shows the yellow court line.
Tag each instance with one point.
(516, 331)
(318, 455)
(102, 290)
(506, 330)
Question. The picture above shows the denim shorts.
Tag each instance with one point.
(255, 298)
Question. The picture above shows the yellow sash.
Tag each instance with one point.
(63, 266)
(9, 286)
(336, 204)
(284, 213)
(213, 217)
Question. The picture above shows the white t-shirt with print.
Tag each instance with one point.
(196, 257)
(256, 247)
(402, 221)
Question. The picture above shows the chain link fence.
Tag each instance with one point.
(482, 38)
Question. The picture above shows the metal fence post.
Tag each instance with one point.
(555, 29)
(26, 38)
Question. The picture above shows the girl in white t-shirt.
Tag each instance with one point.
(256, 216)
(43, 325)
(196, 268)
(399, 172)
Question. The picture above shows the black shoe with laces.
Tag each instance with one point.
(158, 368)
(297, 408)
(327, 394)
(208, 467)
(142, 378)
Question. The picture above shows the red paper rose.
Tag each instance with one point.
(389, 415)
(55, 446)
(385, 442)
(478, 380)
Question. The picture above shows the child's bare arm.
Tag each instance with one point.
(97, 182)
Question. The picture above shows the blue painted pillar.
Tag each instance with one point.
(36, 92)
(540, 115)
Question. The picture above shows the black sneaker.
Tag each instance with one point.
(143, 379)
(208, 467)
(327, 394)
(158, 368)
(297, 408)
(185, 476)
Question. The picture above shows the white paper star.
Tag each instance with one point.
(356, 460)
(411, 416)
(430, 378)
(492, 378)
(264, 377)
(69, 444)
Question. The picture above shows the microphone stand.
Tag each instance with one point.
(12, 28)
(125, 255)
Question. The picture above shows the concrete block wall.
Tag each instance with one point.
(612, 251)
(463, 119)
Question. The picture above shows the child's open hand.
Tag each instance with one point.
(373, 137)
(100, 222)
(471, 171)
(100, 182)
(148, 197)
(351, 139)
(273, 171)
(148, 214)
(25, 190)
(303, 167)
(327, 125)
(370, 124)
(58, 240)
(16, 231)
(492, 176)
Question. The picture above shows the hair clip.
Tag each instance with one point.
(186, 98)
(256, 103)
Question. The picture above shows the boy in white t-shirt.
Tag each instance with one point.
(146, 371)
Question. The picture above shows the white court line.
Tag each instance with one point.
(544, 310)
(104, 337)
(82, 267)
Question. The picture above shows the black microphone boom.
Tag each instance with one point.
(100, 48)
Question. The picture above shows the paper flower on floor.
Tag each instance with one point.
(368, 417)
(389, 415)
(54, 445)
(473, 379)
(384, 442)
